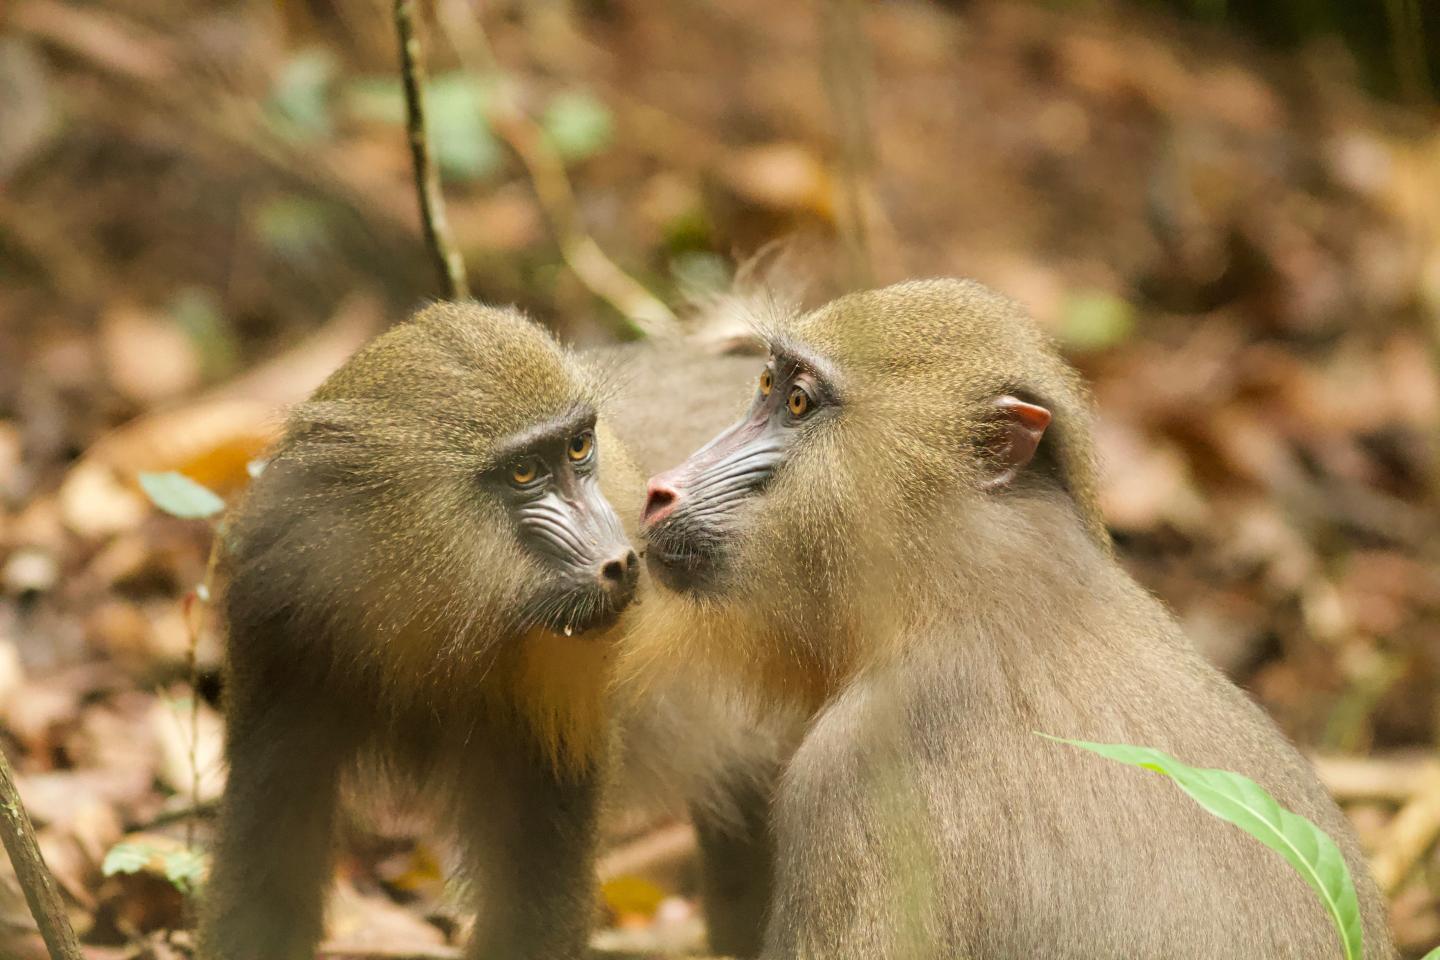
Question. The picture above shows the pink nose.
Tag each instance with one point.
(661, 498)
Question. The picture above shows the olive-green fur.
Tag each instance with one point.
(374, 626)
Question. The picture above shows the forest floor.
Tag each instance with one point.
(204, 208)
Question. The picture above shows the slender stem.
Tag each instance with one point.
(641, 313)
(193, 623)
(40, 891)
(438, 239)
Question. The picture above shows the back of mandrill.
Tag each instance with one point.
(901, 538)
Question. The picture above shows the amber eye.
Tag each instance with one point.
(767, 381)
(524, 472)
(581, 446)
(798, 402)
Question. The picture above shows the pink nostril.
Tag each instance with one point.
(660, 501)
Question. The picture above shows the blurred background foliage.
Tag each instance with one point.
(1394, 42)
(1229, 214)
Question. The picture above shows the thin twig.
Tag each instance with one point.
(438, 240)
(1393, 779)
(204, 810)
(40, 891)
(1408, 837)
(200, 598)
(641, 311)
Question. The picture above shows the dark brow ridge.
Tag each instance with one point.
(788, 354)
(559, 428)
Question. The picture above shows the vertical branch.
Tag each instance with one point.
(845, 69)
(194, 612)
(427, 176)
(40, 891)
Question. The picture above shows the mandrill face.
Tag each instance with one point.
(548, 488)
(692, 513)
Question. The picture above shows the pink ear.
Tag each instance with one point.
(1020, 426)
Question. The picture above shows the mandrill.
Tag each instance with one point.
(901, 539)
(426, 581)
(425, 584)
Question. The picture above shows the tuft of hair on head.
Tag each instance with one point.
(769, 282)
(825, 558)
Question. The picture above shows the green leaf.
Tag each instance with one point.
(299, 102)
(180, 496)
(699, 273)
(1095, 321)
(1432, 955)
(1243, 802)
(197, 312)
(293, 227)
(577, 125)
(184, 869)
(126, 858)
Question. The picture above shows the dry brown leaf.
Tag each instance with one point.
(212, 439)
(170, 720)
(782, 176)
(12, 672)
(362, 921)
(144, 900)
(95, 504)
(68, 863)
(29, 570)
(147, 357)
(1145, 481)
(115, 746)
(37, 711)
(38, 525)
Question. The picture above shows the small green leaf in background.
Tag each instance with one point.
(578, 125)
(184, 869)
(196, 310)
(1432, 955)
(1243, 802)
(299, 102)
(700, 273)
(295, 228)
(455, 106)
(180, 496)
(1095, 320)
(125, 858)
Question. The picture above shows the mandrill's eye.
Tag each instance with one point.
(798, 402)
(581, 446)
(767, 381)
(524, 473)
